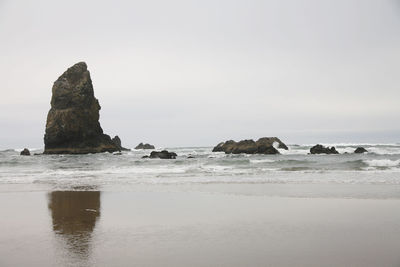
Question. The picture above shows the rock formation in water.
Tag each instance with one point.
(360, 150)
(320, 149)
(25, 152)
(161, 155)
(144, 146)
(263, 145)
(73, 121)
(117, 142)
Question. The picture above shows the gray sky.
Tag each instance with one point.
(192, 73)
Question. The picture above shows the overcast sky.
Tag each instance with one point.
(193, 73)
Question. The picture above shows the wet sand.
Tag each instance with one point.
(195, 226)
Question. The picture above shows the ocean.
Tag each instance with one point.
(381, 165)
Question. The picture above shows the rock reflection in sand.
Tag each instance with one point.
(74, 215)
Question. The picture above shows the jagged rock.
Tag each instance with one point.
(162, 155)
(360, 150)
(263, 145)
(117, 142)
(25, 152)
(144, 146)
(320, 149)
(226, 147)
(73, 121)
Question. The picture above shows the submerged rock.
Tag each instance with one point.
(73, 121)
(25, 152)
(320, 149)
(117, 142)
(360, 150)
(144, 146)
(162, 155)
(263, 145)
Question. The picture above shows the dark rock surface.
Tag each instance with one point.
(269, 141)
(320, 149)
(162, 155)
(360, 150)
(73, 121)
(226, 147)
(25, 152)
(144, 146)
(261, 146)
(117, 142)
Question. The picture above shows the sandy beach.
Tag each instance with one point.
(199, 225)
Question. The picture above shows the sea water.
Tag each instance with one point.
(381, 165)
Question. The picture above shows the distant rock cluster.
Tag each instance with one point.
(144, 146)
(320, 149)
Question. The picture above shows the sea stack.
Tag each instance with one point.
(25, 152)
(73, 121)
(163, 155)
(320, 149)
(360, 150)
(263, 145)
(117, 142)
(144, 146)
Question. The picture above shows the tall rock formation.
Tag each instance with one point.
(73, 121)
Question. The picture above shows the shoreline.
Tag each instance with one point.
(271, 190)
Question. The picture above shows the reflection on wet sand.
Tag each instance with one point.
(74, 215)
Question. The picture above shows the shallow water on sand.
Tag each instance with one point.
(180, 228)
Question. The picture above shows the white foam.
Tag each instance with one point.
(382, 162)
(384, 150)
(346, 150)
(261, 160)
(294, 151)
(353, 144)
(217, 155)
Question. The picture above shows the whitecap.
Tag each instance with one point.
(261, 160)
(382, 162)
